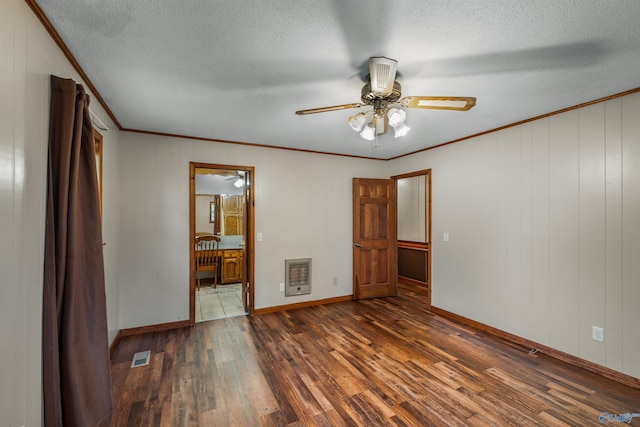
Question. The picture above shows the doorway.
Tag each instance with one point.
(414, 231)
(221, 213)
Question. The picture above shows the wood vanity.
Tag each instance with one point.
(232, 265)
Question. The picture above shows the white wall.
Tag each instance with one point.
(302, 208)
(27, 58)
(412, 209)
(111, 221)
(203, 213)
(544, 226)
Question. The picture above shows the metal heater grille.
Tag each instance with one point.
(297, 276)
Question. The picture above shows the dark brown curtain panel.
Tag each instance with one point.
(76, 369)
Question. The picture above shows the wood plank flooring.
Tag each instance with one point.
(376, 362)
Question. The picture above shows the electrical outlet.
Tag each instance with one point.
(281, 287)
(335, 281)
(597, 333)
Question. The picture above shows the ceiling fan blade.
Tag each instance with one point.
(332, 108)
(438, 102)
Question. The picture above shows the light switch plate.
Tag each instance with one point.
(259, 237)
(597, 333)
(445, 236)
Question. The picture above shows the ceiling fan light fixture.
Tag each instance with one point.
(401, 130)
(382, 72)
(369, 132)
(381, 91)
(358, 121)
(239, 183)
(396, 116)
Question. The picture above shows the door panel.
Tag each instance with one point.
(374, 238)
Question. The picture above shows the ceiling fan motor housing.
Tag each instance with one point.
(368, 96)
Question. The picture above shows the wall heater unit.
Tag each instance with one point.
(141, 359)
(297, 276)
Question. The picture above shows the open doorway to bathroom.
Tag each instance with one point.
(221, 236)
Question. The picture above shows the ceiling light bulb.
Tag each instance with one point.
(401, 130)
(357, 122)
(369, 132)
(396, 116)
(239, 182)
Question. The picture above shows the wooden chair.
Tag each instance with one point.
(207, 256)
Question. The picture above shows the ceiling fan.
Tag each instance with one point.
(237, 177)
(382, 92)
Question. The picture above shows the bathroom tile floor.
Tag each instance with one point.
(224, 301)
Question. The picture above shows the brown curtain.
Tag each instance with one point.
(75, 350)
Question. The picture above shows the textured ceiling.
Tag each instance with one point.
(238, 70)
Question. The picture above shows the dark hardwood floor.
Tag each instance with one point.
(376, 362)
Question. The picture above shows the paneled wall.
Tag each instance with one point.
(302, 209)
(27, 58)
(544, 230)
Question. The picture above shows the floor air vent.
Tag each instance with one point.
(297, 276)
(141, 359)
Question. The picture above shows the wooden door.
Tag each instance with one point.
(232, 224)
(232, 210)
(374, 238)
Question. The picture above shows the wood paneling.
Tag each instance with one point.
(630, 235)
(412, 264)
(613, 234)
(539, 254)
(592, 211)
(373, 362)
(544, 230)
(564, 232)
